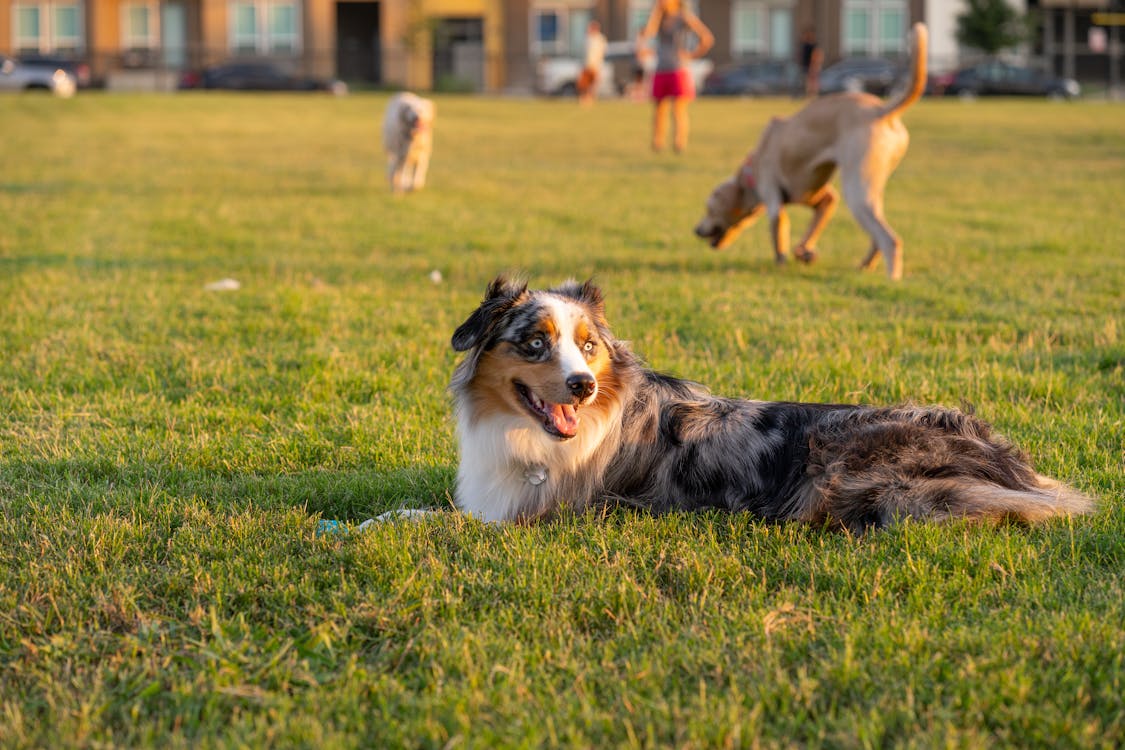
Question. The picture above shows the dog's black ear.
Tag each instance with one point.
(587, 293)
(502, 294)
(592, 296)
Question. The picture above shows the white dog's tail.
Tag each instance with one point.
(917, 84)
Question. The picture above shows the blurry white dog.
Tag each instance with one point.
(408, 140)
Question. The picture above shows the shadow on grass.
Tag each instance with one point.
(103, 485)
(102, 264)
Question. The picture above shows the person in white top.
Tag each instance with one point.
(595, 59)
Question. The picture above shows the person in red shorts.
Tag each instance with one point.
(672, 85)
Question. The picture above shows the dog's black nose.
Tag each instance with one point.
(581, 384)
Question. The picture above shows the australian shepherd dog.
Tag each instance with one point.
(553, 412)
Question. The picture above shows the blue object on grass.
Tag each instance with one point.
(326, 526)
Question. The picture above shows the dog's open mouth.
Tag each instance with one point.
(560, 420)
(712, 237)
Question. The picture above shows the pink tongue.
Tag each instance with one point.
(564, 418)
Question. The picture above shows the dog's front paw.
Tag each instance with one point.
(780, 260)
(805, 254)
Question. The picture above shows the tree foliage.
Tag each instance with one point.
(989, 25)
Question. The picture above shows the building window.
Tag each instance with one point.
(67, 32)
(284, 32)
(559, 30)
(874, 27)
(639, 11)
(27, 28)
(781, 33)
(139, 26)
(578, 21)
(546, 31)
(47, 27)
(892, 30)
(244, 28)
(265, 27)
(762, 29)
(748, 28)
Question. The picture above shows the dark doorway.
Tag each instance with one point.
(358, 57)
(459, 54)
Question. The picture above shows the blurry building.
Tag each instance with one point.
(1078, 37)
(495, 45)
(413, 43)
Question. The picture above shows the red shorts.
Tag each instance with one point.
(674, 83)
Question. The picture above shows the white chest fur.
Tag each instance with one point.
(510, 467)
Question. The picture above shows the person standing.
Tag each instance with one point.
(811, 58)
(595, 61)
(672, 84)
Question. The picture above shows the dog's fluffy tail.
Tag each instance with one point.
(859, 504)
(966, 498)
(917, 85)
(874, 467)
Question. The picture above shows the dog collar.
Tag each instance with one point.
(746, 177)
(535, 474)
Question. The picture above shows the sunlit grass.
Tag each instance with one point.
(165, 451)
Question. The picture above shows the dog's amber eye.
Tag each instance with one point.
(589, 348)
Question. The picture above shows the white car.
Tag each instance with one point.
(17, 76)
(558, 76)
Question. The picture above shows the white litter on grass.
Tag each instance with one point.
(435, 276)
(223, 285)
(327, 526)
(404, 514)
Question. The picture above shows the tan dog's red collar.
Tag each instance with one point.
(746, 175)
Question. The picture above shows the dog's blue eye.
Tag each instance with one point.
(535, 343)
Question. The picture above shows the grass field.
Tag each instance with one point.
(166, 451)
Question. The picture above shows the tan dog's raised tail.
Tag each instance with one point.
(796, 157)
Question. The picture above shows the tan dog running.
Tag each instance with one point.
(408, 140)
(796, 157)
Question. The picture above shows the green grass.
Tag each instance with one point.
(166, 452)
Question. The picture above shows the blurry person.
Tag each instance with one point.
(811, 58)
(595, 59)
(672, 85)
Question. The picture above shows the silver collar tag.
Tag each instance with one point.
(535, 475)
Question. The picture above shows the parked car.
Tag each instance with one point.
(759, 78)
(996, 78)
(80, 69)
(17, 76)
(256, 76)
(558, 76)
(871, 74)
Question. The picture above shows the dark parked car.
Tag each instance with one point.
(871, 74)
(77, 68)
(256, 76)
(760, 78)
(1001, 79)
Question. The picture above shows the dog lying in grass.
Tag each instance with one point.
(554, 412)
(408, 140)
(796, 157)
